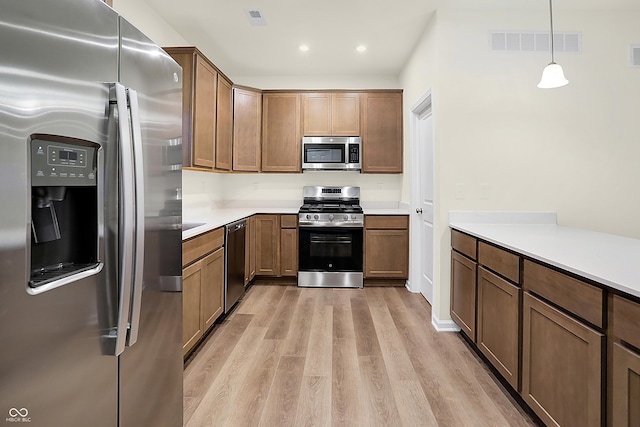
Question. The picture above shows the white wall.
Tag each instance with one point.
(149, 22)
(381, 81)
(574, 150)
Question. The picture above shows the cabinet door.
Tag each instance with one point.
(386, 254)
(252, 247)
(289, 252)
(626, 387)
(267, 245)
(561, 366)
(224, 124)
(247, 126)
(316, 113)
(382, 133)
(463, 293)
(212, 295)
(204, 114)
(185, 58)
(281, 133)
(191, 287)
(345, 114)
(498, 323)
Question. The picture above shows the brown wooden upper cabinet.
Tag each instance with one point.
(281, 132)
(382, 132)
(224, 124)
(247, 127)
(199, 90)
(331, 114)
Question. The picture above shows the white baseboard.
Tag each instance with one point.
(408, 286)
(444, 325)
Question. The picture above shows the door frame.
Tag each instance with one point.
(424, 104)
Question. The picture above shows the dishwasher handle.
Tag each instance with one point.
(235, 226)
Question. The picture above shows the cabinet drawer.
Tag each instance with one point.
(502, 262)
(625, 320)
(464, 244)
(201, 245)
(580, 298)
(386, 222)
(288, 221)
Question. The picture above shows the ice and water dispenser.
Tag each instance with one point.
(64, 209)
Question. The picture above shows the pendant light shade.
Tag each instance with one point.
(552, 75)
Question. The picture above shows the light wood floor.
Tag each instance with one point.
(288, 356)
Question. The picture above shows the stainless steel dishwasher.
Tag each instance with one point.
(234, 263)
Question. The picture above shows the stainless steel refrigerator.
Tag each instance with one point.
(90, 220)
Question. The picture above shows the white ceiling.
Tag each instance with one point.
(331, 28)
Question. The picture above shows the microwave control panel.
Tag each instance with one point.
(354, 153)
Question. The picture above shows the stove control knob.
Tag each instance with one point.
(308, 216)
(330, 217)
(316, 217)
(346, 217)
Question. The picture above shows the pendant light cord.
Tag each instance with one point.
(553, 61)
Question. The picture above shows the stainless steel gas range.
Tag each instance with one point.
(331, 233)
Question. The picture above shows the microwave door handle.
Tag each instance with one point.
(138, 176)
(126, 224)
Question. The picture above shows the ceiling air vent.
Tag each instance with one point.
(635, 55)
(528, 41)
(256, 17)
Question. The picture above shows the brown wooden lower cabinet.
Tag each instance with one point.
(289, 245)
(498, 327)
(250, 251)
(191, 289)
(626, 387)
(386, 247)
(267, 245)
(212, 294)
(463, 293)
(561, 366)
(202, 285)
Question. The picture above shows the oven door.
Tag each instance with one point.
(330, 249)
(330, 257)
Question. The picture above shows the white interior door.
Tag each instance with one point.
(423, 198)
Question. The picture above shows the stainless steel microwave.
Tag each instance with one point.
(331, 153)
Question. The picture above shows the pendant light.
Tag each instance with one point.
(552, 75)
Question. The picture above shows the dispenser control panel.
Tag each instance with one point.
(59, 163)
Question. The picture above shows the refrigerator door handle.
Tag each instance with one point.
(138, 172)
(126, 223)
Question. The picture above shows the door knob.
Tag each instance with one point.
(419, 210)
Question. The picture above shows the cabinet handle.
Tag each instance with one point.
(419, 210)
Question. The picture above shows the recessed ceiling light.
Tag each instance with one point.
(303, 48)
(362, 48)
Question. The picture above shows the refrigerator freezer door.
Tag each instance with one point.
(55, 59)
(151, 367)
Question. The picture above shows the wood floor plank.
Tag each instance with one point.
(249, 402)
(366, 337)
(264, 308)
(360, 357)
(203, 370)
(343, 322)
(347, 399)
(219, 400)
(379, 394)
(395, 356)
(281, 321)
(282, 404)
(319, 355)
(413, 406)
(314, 407)
(301, 324)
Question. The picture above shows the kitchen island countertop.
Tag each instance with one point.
(611, 260)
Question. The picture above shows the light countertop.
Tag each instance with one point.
(213, 219)
(611, 260)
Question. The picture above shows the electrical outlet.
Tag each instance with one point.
(379, 186)
(460, 193)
